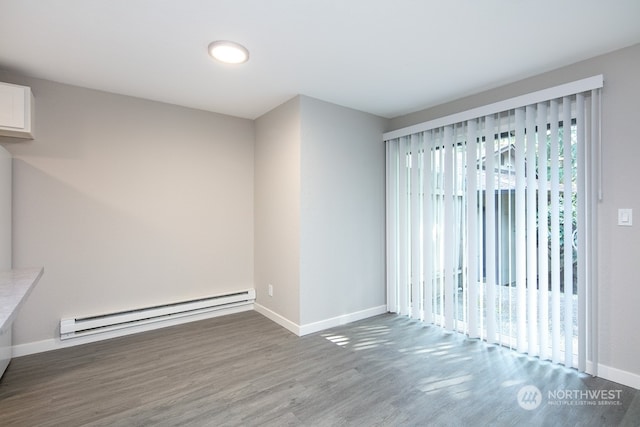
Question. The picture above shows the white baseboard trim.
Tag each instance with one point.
(276, 318)
(619, 376)
(310, 328)
(57, 343)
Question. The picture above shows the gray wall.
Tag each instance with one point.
(319, 198)
(342, 211)
(130, 203)
(619, 281)
(127, 203)
(277, 210)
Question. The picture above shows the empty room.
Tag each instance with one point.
(319, 213)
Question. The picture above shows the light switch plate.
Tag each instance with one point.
(625, 217)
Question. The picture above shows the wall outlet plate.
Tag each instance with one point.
(625, 217)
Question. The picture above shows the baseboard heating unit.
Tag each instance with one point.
(88, 325)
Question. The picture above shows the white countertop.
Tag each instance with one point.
(15, 286)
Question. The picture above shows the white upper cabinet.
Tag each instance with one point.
(16, 111)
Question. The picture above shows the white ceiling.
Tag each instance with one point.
(386, 57)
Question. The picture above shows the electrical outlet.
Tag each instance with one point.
(270, 289)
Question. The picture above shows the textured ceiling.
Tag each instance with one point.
(384, 57)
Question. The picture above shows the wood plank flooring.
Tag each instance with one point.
(244, 370)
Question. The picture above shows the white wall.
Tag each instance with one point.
(277, 210)
(619, 281)
(342, 265)
(127, 203)
(5, 209)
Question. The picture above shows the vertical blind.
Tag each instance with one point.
(490, 222)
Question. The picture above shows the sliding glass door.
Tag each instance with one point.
(489, 226)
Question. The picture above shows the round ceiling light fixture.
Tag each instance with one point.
(228, 52)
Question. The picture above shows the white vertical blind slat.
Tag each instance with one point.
(532, 259)
(521, 233)
(567, 232)
(543, 231)
(472, 228)
(403, 215)
(449, 172)
(490, 235)
(555, 231)
(481, 307)
(596, 172)
(457, 225)
(428, 250)
(500, 233)
(582, 242)
(439, 226)
(416, 272)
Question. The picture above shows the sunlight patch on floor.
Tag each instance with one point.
(337, 339)
(444, 385)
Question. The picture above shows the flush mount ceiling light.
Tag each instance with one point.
(228, 52)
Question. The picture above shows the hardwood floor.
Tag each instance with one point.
(244, 370)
